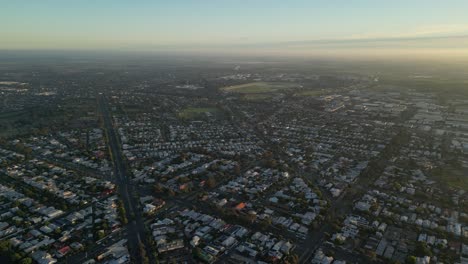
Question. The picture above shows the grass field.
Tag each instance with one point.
(452, 178)
(257, 97)
(194, 112)
(259, 87)
(309, 93)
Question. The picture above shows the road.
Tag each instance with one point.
(136, 226)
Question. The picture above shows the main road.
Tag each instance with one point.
(136, 227)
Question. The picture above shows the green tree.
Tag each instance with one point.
(101, 234)
(16, 257)
(411, 260)
(422, 250)
(211, 182)
(144, 257)
(26, 261)
(4, 245)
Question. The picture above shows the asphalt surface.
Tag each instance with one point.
(136, 227)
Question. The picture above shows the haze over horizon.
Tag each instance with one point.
(233, 131)
(297, 28)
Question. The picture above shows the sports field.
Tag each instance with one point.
(259, 87)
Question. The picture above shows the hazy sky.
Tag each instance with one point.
(269, 26)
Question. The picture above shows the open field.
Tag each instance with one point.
(447, 88)
(309, 93)
(41, 118)
(259, 87)
(193, 112)
(452, 178)
(257, 97)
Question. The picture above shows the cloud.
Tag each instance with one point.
(442, 30)
(438, 30)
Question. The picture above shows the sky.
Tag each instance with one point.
(294, 27)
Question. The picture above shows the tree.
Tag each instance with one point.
(211, 182)
(122, 212)
(144, 257)
(422, 250)
(268, 155)
(27, 152)
(101, 234)
(4, 246)
(16, 257)
(158, 188)
(265, 223)
(292, 259)
(411, 260)
(26, 261)
(372, 255)
(270, 163)
(197, 252)
(237, 170)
